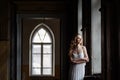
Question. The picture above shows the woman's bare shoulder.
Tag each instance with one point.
(70, 51)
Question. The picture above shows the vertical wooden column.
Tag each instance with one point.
(86, 9)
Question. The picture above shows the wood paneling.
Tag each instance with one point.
(4, 60)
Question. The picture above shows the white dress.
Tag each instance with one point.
(77, 71)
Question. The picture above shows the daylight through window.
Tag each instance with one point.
(41, 51)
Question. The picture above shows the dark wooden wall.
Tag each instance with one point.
(110, 39)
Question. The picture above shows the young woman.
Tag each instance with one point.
(78, 58)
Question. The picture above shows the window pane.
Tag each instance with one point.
(36, 38)
(36, 71)
(47, 61)
(36, 49)
(44, 36)
(47, 71)
(47, 38)
(96, 37)
(47, 48)
(36, 60)
(41, 36)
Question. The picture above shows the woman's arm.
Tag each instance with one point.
(77, 61)
(86, 58)
(70, 56)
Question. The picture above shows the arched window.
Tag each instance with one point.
(41, 52)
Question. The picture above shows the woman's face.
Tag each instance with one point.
(79, 39)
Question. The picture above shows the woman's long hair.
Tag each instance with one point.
(74, 43)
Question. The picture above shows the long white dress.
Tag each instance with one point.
(77, 71)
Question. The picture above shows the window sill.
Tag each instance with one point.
(93, 77)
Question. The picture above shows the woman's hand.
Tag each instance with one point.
(78, 61)
(85, 59)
